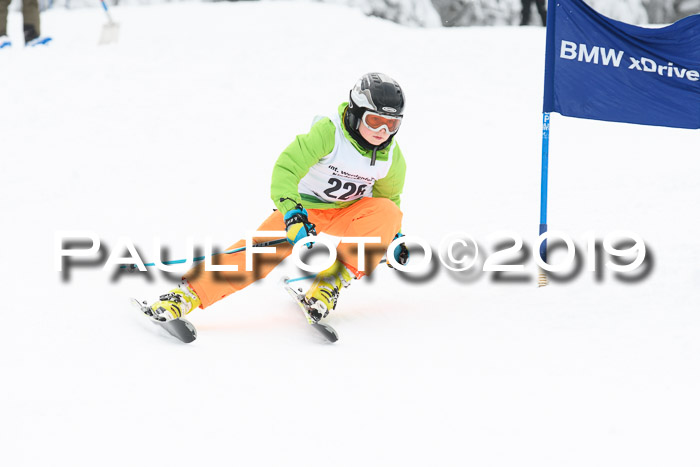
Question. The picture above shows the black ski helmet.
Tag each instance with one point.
(378, 93)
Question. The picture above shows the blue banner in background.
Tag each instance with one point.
(603, 69)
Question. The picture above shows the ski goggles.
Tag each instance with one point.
(376, 122)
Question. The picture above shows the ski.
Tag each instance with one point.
(324, 329)
(179, 328)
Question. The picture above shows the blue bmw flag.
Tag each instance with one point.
(603, 69)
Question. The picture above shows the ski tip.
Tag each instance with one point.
(181, 329)
(327, 331)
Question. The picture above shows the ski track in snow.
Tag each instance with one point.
(173, 132)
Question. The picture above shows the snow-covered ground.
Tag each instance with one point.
(172, 133)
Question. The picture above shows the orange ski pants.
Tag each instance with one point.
(369, 217)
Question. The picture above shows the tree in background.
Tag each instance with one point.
(420, 13)
(434, 13)
(668, 11)
(478, 12)
(495, 12)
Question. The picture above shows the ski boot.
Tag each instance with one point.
(322, 296)
(5, 42)
(175, 304)
(32, 37)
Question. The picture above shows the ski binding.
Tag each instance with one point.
(324, 329)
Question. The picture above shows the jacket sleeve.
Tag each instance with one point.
(295, 161)
(391, 186)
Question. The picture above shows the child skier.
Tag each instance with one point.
(345, 178)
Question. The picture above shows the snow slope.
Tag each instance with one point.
(173, 132)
